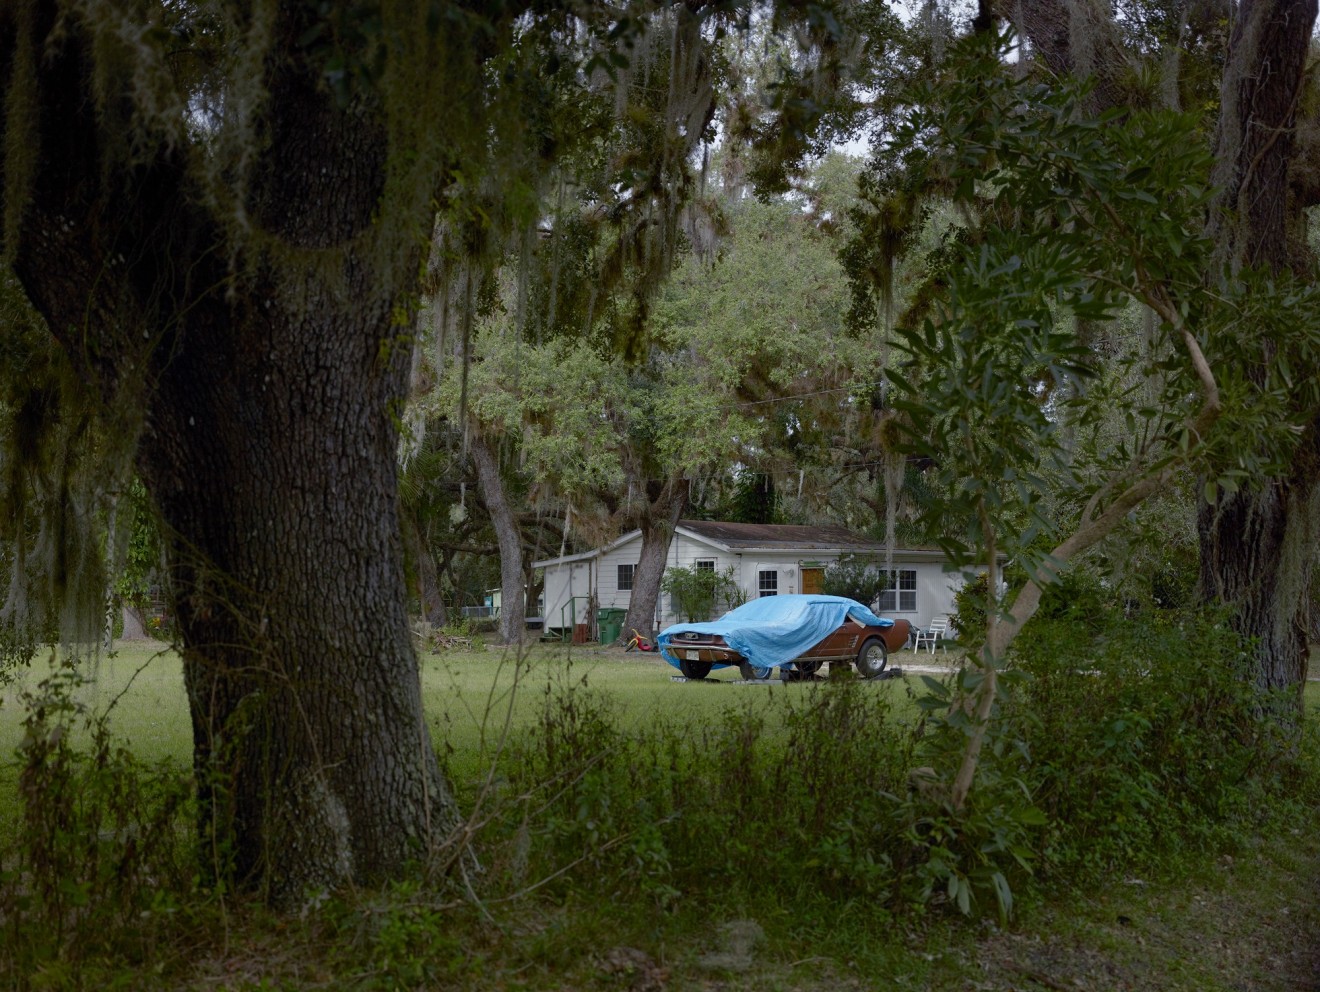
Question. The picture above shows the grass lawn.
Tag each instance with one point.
(1241, 919)
(474, 699)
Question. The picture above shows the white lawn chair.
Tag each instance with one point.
(933, 635)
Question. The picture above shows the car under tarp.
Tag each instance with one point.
(773, 630)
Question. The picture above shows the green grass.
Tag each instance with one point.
(1216, 920)
(475, 700)
(140, 687)
(471, 697)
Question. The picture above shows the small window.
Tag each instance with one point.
(626, 577)
(901, 596)
(767, 582)
(705, 564)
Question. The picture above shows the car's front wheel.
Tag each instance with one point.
(872, 658)
(694, 669)
(753, 672)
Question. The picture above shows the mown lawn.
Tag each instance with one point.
(476, 700)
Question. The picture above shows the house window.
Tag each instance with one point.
(767, 582)
(705, 564)
(626, 577)
(901, 596)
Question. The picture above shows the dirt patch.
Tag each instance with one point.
(1248, 922)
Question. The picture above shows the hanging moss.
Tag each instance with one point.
(61, 466)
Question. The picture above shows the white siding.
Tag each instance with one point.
(935, 589)
(607, 582)
(685, 552)
(598, 575)
(562, 583)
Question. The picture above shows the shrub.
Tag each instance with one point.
(811, 800)
(1110, 748)
(697, 591)
(741, 803)
(970, 605)
(856, 576)
(1081, 597)
(1137, 739)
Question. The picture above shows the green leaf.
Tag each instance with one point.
(935, 687)
(1032, 816)
(1003, 896)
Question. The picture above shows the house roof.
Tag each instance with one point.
(769, 537)
(738, 537)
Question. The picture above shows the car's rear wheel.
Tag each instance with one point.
(872, 658)
(753, 672)
(694, 669)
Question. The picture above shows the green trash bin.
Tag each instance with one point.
(609, 624)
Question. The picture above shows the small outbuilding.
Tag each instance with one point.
(766, 559)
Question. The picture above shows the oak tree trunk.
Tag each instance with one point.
(269, 369)
(1254, 543)
(1257, 544)
(1078, 37)
(513, 606)
(657, 525)
(311, 750)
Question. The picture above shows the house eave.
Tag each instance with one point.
(587, 555)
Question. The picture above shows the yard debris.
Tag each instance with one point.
(436, 639)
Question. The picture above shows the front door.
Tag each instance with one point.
(813, 580)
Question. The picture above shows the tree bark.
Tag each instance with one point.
(426, 575)
(513, 604)
(1080, 37)
(1257, 544)
(1253, 221)
(657, 524)
(268, 370)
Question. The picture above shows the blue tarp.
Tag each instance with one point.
(773, 630)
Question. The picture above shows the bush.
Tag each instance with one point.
(1115, 747)
(1081, 597)
(812, 801)
(858, 577)
(696, 592)
(1110, 749)
(734, 805)
(970, 604)
(1136, 739)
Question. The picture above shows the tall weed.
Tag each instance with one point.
(801, 797)
(1113, 744)
(103, 851)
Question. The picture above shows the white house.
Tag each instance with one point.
(767, 559)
